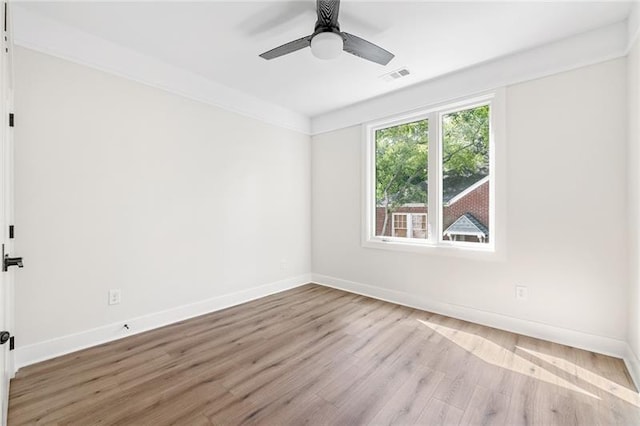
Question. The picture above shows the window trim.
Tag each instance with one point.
(436, 244)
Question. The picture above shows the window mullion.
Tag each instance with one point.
(433, 174)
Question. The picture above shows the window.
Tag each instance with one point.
(409, 225)
(465, 174)
(430, 177)
(400, 225)
(401, 153)
(419, 226)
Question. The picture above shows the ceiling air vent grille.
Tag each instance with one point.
(395, 75)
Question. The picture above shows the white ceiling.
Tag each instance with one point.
(221, 40)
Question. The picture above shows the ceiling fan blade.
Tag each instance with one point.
(365, 49)
(287, 48)
(327, 11)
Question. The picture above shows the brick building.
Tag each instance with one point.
(465, 216)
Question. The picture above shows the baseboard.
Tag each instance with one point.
(42, 351)
(577, 339)
(632, 362)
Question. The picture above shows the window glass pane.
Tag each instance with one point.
(399, 225)
(401, 180)
(465, 175)
(419, 225)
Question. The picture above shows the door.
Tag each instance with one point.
(6, 208)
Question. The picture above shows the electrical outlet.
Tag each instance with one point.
(114, 296)
(283, 264)
(522, 292)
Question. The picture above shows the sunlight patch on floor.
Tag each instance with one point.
(497, 355)
(588, 376)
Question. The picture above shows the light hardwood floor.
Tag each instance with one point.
(314, 355)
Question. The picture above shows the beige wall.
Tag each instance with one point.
(120, 185)
(566, 215)
(633, 81)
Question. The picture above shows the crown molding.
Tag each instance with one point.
(45, 35)
(588, 48)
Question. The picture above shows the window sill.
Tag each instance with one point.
(487, 252)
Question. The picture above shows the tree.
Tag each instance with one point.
(465, 157)
(401, 166)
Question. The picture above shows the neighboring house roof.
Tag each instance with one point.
(454, 185)
(467, 224)
(468, 190)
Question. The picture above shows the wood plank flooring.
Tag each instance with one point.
(314, 355)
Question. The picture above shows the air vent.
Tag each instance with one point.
(395, 75)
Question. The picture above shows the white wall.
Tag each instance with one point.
(633, 81)
(566, 218)
(120, 185)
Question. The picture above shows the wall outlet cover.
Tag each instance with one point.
(114, 296)
(522, 292)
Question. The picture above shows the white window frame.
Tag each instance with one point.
(435, 243)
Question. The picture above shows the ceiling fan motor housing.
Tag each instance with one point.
(327, 45)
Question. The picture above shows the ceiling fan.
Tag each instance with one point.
(327, 41)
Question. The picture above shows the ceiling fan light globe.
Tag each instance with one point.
(327, 45)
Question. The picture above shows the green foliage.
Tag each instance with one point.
(401, 164)
(465, 157)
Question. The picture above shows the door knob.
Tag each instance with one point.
(4, 337)
(12, 261)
